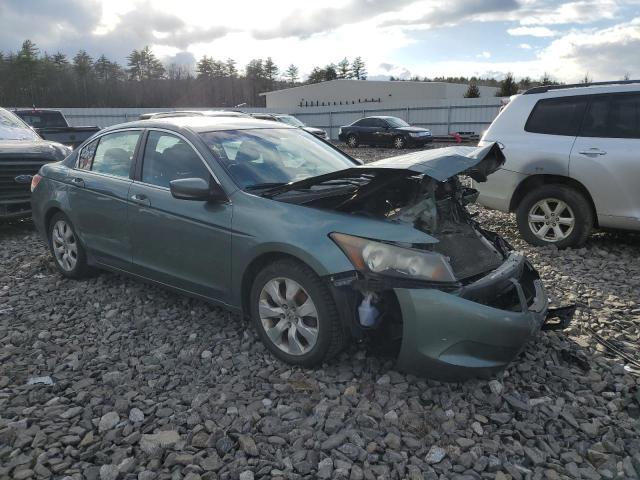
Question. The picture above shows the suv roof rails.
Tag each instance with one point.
(546, 88)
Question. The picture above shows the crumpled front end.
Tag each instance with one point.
(475, 331)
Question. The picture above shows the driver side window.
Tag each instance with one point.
(168, 157)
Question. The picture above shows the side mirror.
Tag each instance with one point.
(197, 189)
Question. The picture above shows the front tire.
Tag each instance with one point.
(295, 314)
(68, 253)
(555, 215)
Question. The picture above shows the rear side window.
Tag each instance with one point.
(115, 153)
(365, 122)
(85, 157)
(613, 116)
(557, 116)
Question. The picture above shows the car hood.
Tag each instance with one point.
(42, 149)
(443, 163)
(313, 129)
(413, 129)
(438, 163)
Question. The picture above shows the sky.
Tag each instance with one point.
(403, 38)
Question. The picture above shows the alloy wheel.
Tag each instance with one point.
(289, 316)
(352, 141)
(398, 142)
(551, 220)
(65, 245)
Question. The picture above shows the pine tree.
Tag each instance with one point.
(270, 69)
(316, 75)
(472, 92)
(508, 86)
(586, 78)
(204, 67)
(344, 68)
(292, 73)
(231, 69)
(143, 65)
(358, 69)
(330, 72)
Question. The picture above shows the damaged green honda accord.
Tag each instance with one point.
(310, 245)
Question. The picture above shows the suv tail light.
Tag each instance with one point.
(35, 180)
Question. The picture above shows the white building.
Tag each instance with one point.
(369, 93)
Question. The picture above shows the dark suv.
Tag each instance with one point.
(387, 131)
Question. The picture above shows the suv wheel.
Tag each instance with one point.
(68, 253)
(353, 141)
(555, 215)
(295, 315)
(399, 143)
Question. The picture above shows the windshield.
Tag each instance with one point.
(44, 119)
(12, 128)
(396, 122)
(291, 120)
(263, 158)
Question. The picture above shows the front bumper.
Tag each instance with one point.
(476, 331)
(420, 140)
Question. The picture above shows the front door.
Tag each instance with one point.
(182, 243)
(606, 157)
(98, 196)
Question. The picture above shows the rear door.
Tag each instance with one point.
(606, 156)
(98, 196)
(182, 243)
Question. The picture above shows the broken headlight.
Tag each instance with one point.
(384, 259)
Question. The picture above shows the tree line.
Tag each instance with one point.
(29, 77)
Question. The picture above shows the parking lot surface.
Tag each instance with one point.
(133, 381)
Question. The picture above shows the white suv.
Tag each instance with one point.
(573, 161)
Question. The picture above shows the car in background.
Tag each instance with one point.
(192, 113)
(22, 153)
(384, 131)
(292, 233)
(52, 125)
(572, 161)
(293, 121)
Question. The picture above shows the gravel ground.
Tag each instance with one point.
(148, 384)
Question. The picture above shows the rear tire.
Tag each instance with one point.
(555, 215)
(295, 314)
(352, 141)
(399, 143)
(68, 253)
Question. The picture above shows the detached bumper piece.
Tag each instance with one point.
(559, 318)
(474, 332)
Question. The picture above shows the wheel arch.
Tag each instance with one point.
(534, 181)
(49, 215)
(257, 264)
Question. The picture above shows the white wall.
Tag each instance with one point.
(358, 92)
(441, 116)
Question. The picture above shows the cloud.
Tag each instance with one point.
(484, 54)
(525, 46)
(531, 31)
(584, 11)
(452, 13)
(606, 54)
(304, 22)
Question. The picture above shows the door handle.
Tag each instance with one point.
(140, 199)
(592, 152)
(78, 182)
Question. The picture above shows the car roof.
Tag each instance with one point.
(200, 124)
(381, 116)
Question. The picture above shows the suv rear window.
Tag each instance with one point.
(613, 116)
(557, 116)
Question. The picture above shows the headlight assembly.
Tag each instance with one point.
(384, 259)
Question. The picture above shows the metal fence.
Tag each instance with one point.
(441, 116)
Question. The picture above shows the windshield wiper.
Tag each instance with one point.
(269, 185)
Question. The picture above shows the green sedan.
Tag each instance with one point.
(310, 245)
